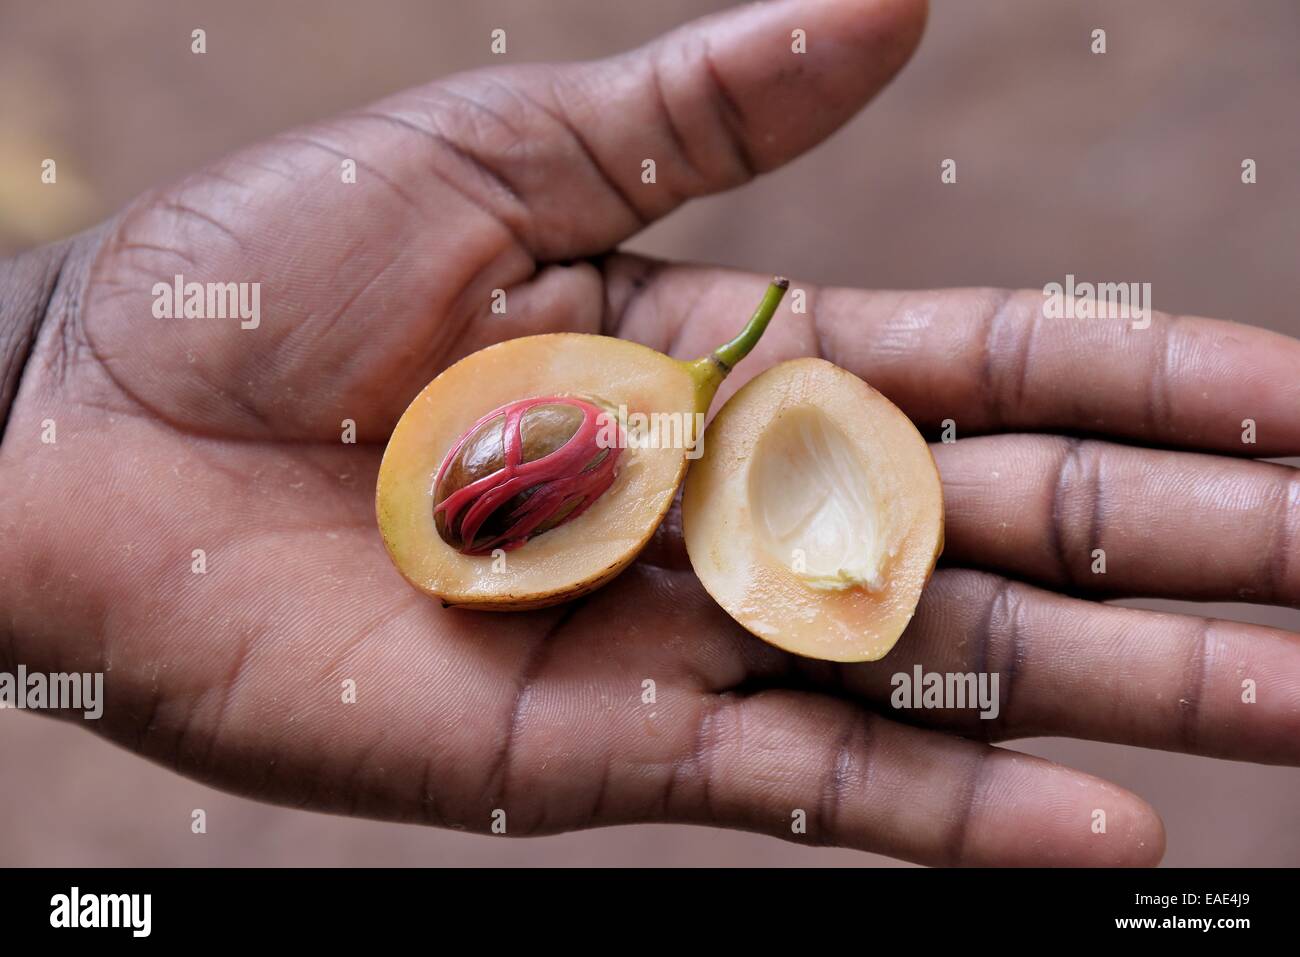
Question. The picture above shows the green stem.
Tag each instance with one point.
(739, 347)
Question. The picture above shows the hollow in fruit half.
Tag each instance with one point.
(815, 515)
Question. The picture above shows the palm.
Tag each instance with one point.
(178, 436)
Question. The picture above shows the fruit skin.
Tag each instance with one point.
(764, 596)
(572, 559)
(533, 603)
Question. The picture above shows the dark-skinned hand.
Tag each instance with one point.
(176, 435)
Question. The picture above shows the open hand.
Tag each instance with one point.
(176, 435)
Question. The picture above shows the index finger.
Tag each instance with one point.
(994, 361)
(974, 361)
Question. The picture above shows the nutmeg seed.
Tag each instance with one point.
(522, 470)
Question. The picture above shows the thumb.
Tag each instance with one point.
(712, 104)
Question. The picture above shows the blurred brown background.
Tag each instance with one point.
(1124, 167)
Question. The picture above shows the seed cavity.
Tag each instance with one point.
(813, 509)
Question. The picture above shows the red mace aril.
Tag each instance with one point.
(524, 469)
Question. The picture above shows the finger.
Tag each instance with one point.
(1073, 668)
(381, 239)
(780, 759)
(987, 360)
(1122, 520)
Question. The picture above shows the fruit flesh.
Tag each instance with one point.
(568, 560)
(815, 515)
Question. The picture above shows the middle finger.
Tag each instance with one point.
(1118, 520)
(1080, 669)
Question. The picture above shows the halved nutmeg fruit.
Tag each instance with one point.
(815, 515)
(534, 471)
